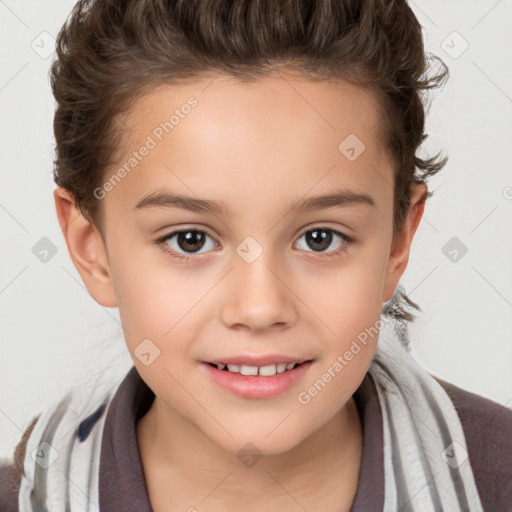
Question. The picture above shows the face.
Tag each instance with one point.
(263, 273)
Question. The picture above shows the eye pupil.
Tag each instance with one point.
(320, 237)
(194, 239)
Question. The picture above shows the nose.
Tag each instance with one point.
(258, 296)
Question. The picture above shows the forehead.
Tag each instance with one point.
(279, 101)
(220, 135)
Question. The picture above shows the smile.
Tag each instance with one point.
(265, 371)
(256, 381)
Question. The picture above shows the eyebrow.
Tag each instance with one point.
(334, 199)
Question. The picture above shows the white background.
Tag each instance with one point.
(54, 334)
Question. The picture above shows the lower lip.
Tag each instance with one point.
(255, 386)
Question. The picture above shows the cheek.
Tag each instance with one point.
(349, 306)
(152, 296)
(155, 306)
(348, 298)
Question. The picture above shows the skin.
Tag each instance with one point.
(258, 147)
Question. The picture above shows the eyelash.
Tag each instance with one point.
(161, 242)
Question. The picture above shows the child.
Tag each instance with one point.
(271, 363)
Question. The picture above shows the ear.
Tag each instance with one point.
(86, 248)
(401, 245)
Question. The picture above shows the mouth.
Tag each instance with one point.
(268, 370)
(248, 381)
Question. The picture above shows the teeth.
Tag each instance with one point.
(248, 370)
(266, 371)
(281, 367)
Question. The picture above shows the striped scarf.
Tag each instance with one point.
(426, 464)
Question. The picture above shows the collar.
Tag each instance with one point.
(119, 448)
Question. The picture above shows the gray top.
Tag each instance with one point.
(487, 426)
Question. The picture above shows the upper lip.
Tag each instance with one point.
(263, 360)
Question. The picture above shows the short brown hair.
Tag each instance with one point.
(110, 52)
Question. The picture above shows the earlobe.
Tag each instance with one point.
(86, 249)
(401, 246)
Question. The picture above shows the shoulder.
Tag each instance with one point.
(9, 487)
(11, 472)
(487, 428)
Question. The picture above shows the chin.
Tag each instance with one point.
(258, 442)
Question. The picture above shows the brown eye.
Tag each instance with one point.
(321, 238)
(190, 240)
(186, 241)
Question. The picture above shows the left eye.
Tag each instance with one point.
(321, 238)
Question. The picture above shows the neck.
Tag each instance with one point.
(179, 459)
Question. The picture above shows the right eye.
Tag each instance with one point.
(190, 241)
